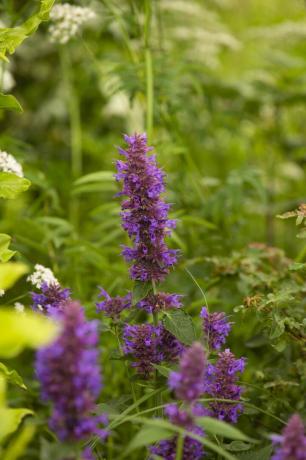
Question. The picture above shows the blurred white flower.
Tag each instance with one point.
(2, 292)
(7, 80)
(19, 307)
(42, 275)
(67, 21)
(9, 164)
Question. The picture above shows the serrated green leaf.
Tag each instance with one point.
(10, 420)
(180, 324)
(5, 253)
(12, 376)
(9, 102)
(10, 272)
(11, 185)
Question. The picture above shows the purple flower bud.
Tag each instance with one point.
(154, 303)
(221, 382)
(70, 375)
(113, 306)
(51, 298)
(144, 213)
(292, 442)
(216, 328)
(188, 382)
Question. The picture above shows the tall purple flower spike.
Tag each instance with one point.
(70, 376)
(144, 213)
(221, 382)
(188, 382)
(292, 441)
(216, 328)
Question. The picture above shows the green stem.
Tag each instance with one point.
(179, 447)
(149, 71)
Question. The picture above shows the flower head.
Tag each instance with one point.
(9, 164)
(154, 303)
(52, 297)
(216, 328)
(221, 382)
(192, 448)
(144, 213)
(42, 275)
(70, 375)
(68, 20)
(171, 347)
(292, 442)
(188, 382)
(113, 306)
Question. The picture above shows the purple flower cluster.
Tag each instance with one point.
(216, 328)
(154, 303)
(292, 442)
(113, 306)
(51, 298)
(70, 376)
(188, 383)
(192, 448)
(149, 345)
(144, 213)
(221, 382)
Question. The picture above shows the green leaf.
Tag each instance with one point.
(218, 427)
(180, 324)
(10, 272)
(5, 253)
(11, 185)
(9, 102)
(12, 376)
(10, 420)
(98, 176)
(260, 454)
(238, 446)
(140, 291)
(18, 446)
(20, 331)
(163, 370)
(146, 436)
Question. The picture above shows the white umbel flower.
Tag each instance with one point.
(9, 164)
(42, 275)
(68, 20)
(19, 307)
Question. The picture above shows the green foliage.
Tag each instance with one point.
(180, 324)
(9, 102)
(11, 185)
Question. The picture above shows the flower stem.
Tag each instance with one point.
(149, 70)
(179, 447)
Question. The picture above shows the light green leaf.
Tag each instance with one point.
(99, 176)
(10, 272)
(9, 102)
(146, 436)
(12, 376)
(238, 446)
(11, 185)
(5, 253)
(180, 324)
(10, 420)
(260, 454)
(20, 331)
(218, 427)
(17, 447)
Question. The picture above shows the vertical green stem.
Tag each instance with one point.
(149, 70)
(75, 130)
(179, 447)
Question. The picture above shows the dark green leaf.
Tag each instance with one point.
(9, 102)
(180, 324)
(140, 291)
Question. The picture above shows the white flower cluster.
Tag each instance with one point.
(2, 292)
(67, 21)
(9, 164)
(42, 275)
(19, 307)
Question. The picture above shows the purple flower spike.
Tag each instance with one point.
(113, 306)
(192, 449)
(143, 343)
(154, 303)
(292, 442)
(70, 376)
(188, 382)
(172, 348)
(144, 213)
(221, 382)
(216, 328)
(51, 298)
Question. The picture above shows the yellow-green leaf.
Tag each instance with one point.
(5, 253)
(10, 272)
(9, 102)
(10, 420)
(11, 185)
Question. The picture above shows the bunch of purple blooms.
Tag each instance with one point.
(51, 298)
(292, 442)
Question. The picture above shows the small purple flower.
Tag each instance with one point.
(292, 442)
(143, 343)
(154, 303)
(221, 382)
(113, 306)
(51, 298)
(216, 328)
(192, 450)
(70, 376)
(144, 213)
(188, 382)
(171, 347)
